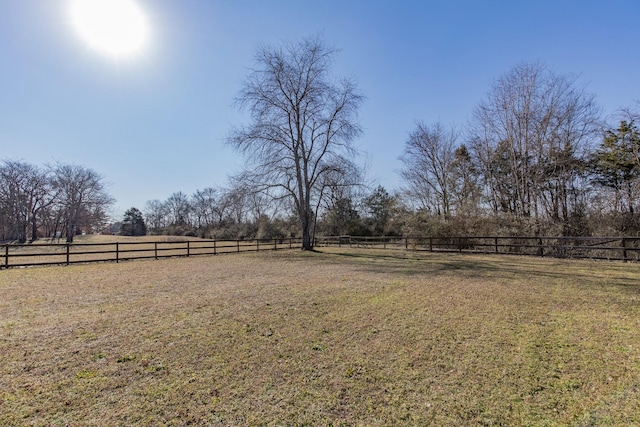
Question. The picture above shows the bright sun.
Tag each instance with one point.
(117, 28)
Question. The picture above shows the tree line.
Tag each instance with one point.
(239, 213)
(536, 155)
(59, 201)
(536, 158)
(217, 213)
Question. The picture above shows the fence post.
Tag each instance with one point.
(238, 245)
(257, 245)
(275, 244)
(496, 243)
(155, 249)
(540, 248)
(624, 249)
(430, 244)
(290, 242)
(459, 244)
(6, 256)
(214, 247)
(67, 253)
(188, 248)
(117, 252)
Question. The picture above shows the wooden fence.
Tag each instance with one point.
(609, 248)
(27, 255)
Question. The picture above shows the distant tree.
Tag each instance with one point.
(205, 207)
(303, 124)
(179, 208)
(236, 202)
(25, 190)
(341, 191)
(527, 137)
(81, 199)
(342, 218)
(156, 215)
(428, 165)
(380, 207)
(465, 183)
(616, 165)
(268, 228)
(133, 223)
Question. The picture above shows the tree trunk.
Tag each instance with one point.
(71, 231)
(22, 233)
(305, 223)
(34, 228)
(306, 240)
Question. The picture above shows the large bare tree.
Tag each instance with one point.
(303, 123)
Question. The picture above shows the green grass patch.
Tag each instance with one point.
(338, 337)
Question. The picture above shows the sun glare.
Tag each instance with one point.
(117, 28)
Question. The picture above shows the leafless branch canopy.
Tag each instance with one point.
(303, 123)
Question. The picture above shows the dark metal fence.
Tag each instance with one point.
(40, 254)
(609, 248)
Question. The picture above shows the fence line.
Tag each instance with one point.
(608, 248)
(41, 254)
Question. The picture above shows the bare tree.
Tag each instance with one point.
(179, 209)
(24, 191)
(81, 198)
(205, 207)
(303, 125)
(156, 214)
(236, 203)
(428, 160)
(529, 135)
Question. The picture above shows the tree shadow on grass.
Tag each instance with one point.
(515, 267)
(408, 263)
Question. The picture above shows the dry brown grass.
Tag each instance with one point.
(343, 337)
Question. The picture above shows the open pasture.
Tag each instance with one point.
(340, 337)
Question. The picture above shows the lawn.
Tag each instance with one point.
(340, 337)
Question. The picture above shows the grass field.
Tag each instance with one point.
(342, 337)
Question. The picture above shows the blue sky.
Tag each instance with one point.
(155, 123)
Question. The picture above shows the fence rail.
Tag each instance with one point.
(609, 248)
(41, 254)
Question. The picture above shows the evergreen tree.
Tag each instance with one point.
(380, 205)
(343, 218)
(133, 223)
(617, 164)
